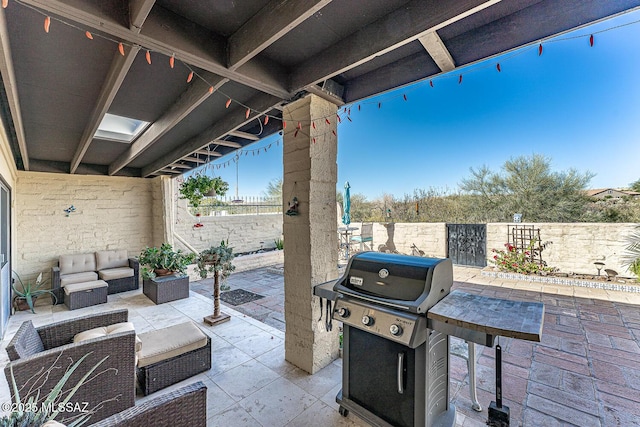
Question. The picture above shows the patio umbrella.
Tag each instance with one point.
(346, 204)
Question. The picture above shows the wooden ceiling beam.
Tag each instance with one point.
(208, 153)
(193, 159)
(434, 45)
(180, 166)
(267, 26)
(170, 34)
(138, 12)
(235, 119)
(225, 143)
(11, 87)
(190, 99)
(120, 66)
(240, 134)
(405, 25)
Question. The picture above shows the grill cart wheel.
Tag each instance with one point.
(343, 411)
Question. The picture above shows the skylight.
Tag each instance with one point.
(120, 129)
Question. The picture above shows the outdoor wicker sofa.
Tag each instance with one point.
(41, 356)
(114, 267)
(185, 407)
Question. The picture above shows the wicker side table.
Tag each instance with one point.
(166, 288)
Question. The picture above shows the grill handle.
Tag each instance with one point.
(401, 372)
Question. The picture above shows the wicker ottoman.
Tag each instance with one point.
(171, 355)
(85, 294)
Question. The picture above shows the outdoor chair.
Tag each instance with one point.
(185, 407)
(365, 236)
(39, 358)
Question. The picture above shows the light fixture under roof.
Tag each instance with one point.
(120, 129)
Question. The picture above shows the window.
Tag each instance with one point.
(120, 129)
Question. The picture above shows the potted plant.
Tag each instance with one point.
(196, 187)
(163, 261)
(35, 409)
(216, 260)
(28, 292)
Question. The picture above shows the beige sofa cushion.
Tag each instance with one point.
(87, 276)
(115, 273)
(77, 263)
(107, 330)
(85, 286)
(111, 259)
(166, 343)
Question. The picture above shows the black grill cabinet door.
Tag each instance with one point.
(373, 377)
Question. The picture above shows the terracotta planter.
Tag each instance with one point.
(20, 304)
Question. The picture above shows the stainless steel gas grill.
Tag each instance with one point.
(395, 369)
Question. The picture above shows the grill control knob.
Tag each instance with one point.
(343, 312)
(395, 330)
(367, 320)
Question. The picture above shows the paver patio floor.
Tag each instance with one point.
(585, 372)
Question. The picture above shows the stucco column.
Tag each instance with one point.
(310, 238)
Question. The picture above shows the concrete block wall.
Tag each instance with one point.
(575, 246)
(245, 232)
(111, 213)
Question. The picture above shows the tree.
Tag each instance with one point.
(635, 186)
(274, 189)
(528, 186)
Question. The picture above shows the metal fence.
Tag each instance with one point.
(251, 205)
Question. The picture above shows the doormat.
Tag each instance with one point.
(239, 297)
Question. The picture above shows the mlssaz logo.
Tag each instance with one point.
(384, 273)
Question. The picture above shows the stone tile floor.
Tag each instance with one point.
(585, 372)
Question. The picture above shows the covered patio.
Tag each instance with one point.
(195, 81)
(583, 373)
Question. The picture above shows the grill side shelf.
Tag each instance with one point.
(479, 319)
(325, 290)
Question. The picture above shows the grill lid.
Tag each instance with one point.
(407, 282)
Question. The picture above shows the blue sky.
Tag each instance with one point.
(576, 104)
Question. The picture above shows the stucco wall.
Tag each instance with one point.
(574, 248)
(245, 232)
(111, 213)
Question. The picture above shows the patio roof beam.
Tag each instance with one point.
(405, 25)
(267, 26)
(170, 34)
(226, 143)
(208, 153)
(11, 87)
(117, 72)
(138, 12)
(192, 159)
(325, 94)
(435, 47)
(235, 119)
(190, 99)
(243, 135)
(180, 166)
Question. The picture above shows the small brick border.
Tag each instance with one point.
(552, 280)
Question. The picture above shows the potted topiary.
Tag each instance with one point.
(216, 260)
(164, 261)
(28, 292)
(196, 187)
